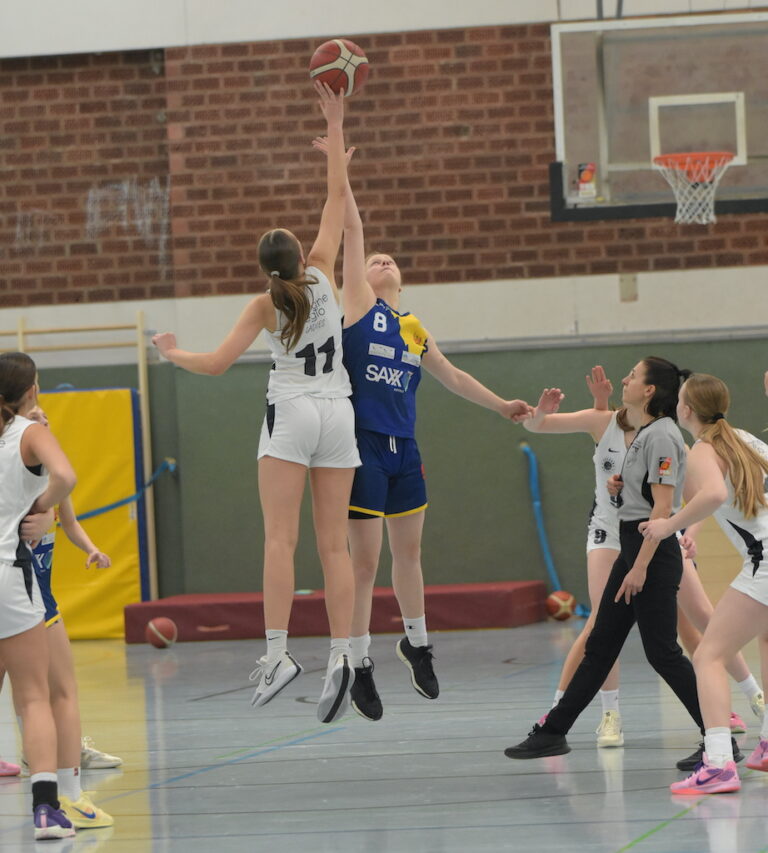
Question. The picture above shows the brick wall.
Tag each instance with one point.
(151, 173)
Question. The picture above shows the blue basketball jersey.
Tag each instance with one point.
(382, 354)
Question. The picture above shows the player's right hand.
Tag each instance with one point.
(320, 143)
(165, 341)
(549, 402)
(614, 485)
(331, 104)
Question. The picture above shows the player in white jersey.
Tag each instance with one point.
(309, 426)
(726, 476)
(613, 434)
(34, 476)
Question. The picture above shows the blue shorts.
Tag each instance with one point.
(391, 480)
(43, 560)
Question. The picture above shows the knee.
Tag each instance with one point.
(365, 570)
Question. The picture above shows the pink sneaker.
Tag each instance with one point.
(8, 769)
(759, 758)
(738, 726)
(709, 780)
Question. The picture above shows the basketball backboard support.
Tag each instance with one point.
(626, 90)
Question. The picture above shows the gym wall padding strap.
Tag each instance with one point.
(100, 431)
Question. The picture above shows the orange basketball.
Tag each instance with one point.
(341, 64)
(161, 632)
(560, 605)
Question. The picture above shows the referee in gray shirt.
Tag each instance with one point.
(644, 580)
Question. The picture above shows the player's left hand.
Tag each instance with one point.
(331, 104)
(656, 529)
(516, 410)
(633, 582)
(600, 387)
(35, 525)
(688, 544)
(99, 557)
(165, 342)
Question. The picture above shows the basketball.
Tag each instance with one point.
(161, 632)
(341, 64)
(560, 605)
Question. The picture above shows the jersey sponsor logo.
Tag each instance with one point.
(381, 350)
(665, 463)
(396, 379)
(608, 464)
(411, 358)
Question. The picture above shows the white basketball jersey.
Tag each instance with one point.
(314, 366)
(19, 487)
(608, 458)
(749, 535)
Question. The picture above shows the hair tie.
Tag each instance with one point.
(718, 416)
(275, 274)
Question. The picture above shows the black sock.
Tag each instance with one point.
(45, 793)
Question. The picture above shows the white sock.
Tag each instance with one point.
(558, 696)
(749, 686)
(610, 700)
(358, 647)
(42, 777)
(416, 631)
(717, 745)
(69, 783)
(277, 644)
(340, 646)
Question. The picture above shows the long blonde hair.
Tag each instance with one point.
(709, 399)
(280, 259)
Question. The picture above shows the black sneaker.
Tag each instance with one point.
(689, 764)
(365, 699)
(419, 660)
(539, 744)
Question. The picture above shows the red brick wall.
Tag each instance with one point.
(148, 174)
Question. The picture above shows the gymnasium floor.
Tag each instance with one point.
(204, 772)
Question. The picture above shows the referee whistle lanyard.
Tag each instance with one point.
(617, 500)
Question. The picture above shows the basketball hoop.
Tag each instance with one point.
(694, 177)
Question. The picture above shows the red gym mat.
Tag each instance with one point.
(239, 616)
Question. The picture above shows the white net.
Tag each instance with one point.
(694, 179)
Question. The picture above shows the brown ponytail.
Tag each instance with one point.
(709, 399)
(280, 259)
(17, 375)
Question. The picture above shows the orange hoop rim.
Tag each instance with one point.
(682, 160)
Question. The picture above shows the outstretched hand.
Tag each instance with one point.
(516, 410)
(600, 387)
(99, 557)
(550, 400)
(331, 104)
(320, 143)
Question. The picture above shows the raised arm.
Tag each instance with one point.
(461, 383)
(39, 447)
(358, 295)
(255, 317)
(547, 419)
(326, 246)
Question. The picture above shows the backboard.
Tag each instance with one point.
(626, 90)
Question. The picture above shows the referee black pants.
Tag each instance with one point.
(655, 611)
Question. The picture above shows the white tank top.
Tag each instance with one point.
(608, 458)
(749, 535)
(19, 487)
(314, 366)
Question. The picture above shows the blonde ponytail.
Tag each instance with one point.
(747, 469)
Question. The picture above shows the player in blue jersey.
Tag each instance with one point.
(384, 351)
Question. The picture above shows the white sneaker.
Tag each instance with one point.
(609, 731)
(272, 678)
(93, 759)
(334, 700)
(757, 704)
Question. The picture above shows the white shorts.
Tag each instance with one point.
(318, 432)
(600, 534)
(754, 585)
(17, 612)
